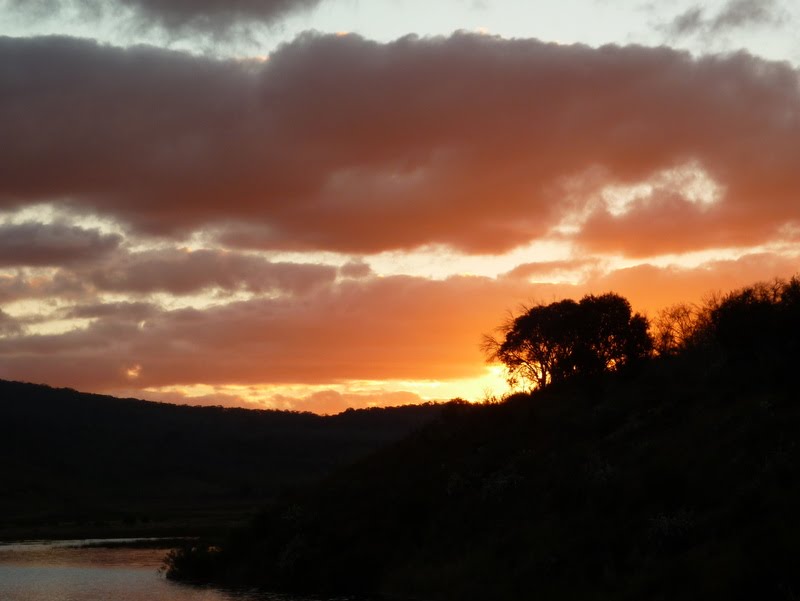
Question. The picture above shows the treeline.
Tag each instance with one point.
(85, 464)
(760, 322)
(675, 478)
(551, 343)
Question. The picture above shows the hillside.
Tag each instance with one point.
(677, 480)
(86, 464)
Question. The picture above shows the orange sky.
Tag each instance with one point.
(338, 225)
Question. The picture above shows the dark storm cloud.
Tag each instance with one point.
(177, 17)
(39, 244)
(339, 143)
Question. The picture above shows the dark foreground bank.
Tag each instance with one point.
(674, 480)
(78, 465)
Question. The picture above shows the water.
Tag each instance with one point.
(60, 571)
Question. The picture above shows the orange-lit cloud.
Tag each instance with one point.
(632, 162)
(394, 328)
(468, 141)
(326, 401)
(551, 269)
(381, 328)
(332, 402)
(671, 224)
(651, 288)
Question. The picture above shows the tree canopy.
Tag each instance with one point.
(551, 343)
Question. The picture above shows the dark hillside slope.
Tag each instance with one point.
(86, 461)
(678, 481)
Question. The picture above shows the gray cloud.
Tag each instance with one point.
(735, 14)
(743, 13)
(689, 22)
(8, 325)
(180, 272)
(355, 269)
(177, 17)
(39, 244)
(171, 271)
(211, 15)
(21, 284)
(129, 311)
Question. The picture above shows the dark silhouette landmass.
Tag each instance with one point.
(674, 479)
(556, 342)
(80, 465)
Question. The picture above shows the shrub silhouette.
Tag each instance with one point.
(760, 321)
(551, 343)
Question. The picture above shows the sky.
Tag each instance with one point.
(321, 204)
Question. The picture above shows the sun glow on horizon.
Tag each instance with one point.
(227, 239)
(329, 398)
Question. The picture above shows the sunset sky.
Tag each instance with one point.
(317, 204)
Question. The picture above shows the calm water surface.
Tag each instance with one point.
(58, 571)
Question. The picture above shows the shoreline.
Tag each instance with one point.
(168, 529)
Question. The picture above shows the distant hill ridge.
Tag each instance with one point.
(81, 463)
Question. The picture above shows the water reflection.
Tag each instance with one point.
(65, 571)
(81, 553)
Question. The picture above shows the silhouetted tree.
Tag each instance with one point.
(550, 343)
(679, 326)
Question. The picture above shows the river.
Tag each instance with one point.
(67, 571)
